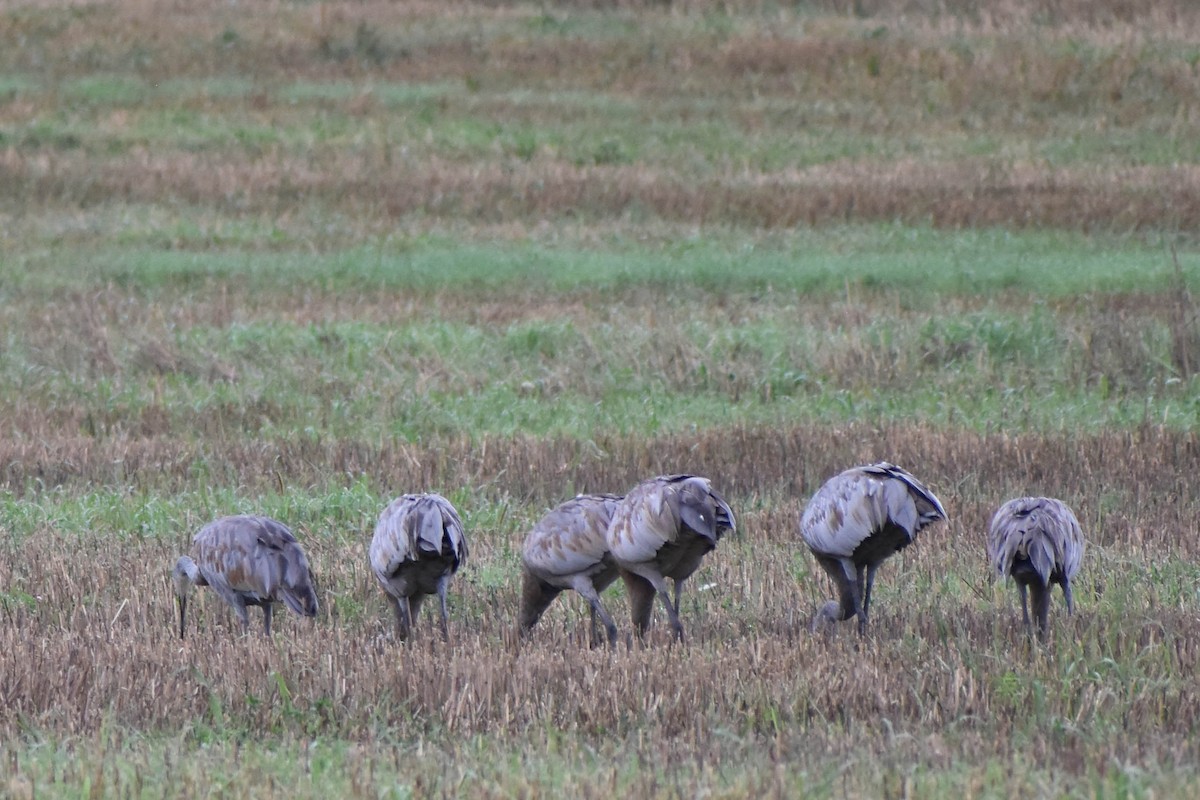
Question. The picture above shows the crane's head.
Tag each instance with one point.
(301, 599)
(826, 615)
(299, 586)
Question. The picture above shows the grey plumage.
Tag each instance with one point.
(1038, 541)
(662, 529)
(858, 519)
(248, 561)
(419, 544)
(567, 549)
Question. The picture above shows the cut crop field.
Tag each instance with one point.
(298, 258)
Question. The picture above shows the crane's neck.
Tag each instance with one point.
(535, 599)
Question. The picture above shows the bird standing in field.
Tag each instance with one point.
(1038, 541)
(248, 561)
(567, 549)
(418, 546)
(855, 521)
(662, 529)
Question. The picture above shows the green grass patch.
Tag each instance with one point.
(903, 261)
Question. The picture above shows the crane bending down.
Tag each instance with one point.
(1038, 541)
(854, 522)
(418, 545)
(248, 561)
(663, 529)
(567, 549)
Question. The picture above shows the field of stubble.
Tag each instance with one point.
(299, 258)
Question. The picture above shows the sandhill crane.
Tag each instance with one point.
(248, 561)
(855, 521)
(418, 546)
(567, 549)
(1038, 541)
(662, 529)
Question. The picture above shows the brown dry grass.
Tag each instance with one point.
(912, 82)
(750, 462)
(946, 195)
(64, 663)
(948, 678)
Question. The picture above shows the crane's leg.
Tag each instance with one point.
(672, 612)
(659, 583)
(1041, 607)
(866, 603)
(863, 616)
(414, 610)
(1024, 602)
(443, 583)
(660, 586)
(267, 607)
(584, 587)
(860, 575)
(239, 605)
(846, 575)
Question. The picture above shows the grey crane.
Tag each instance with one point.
(854, 522)
(248, 561)
(662, 529)
(567, 549)
(1038, 541)
(418, 545)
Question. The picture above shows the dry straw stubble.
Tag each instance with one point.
(89, 637)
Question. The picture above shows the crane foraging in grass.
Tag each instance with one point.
(1038, 541)
(248, 561)
(662, 529)
(418, 545)
(854, 522)
(567, 549)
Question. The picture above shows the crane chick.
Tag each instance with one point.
(662, 529)
(418, 546)
(567, 549)
(855, 521)
(1038, 541)
(248, 561)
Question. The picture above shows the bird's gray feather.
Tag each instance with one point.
(1043, 529)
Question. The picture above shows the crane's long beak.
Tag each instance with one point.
(182, 614)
